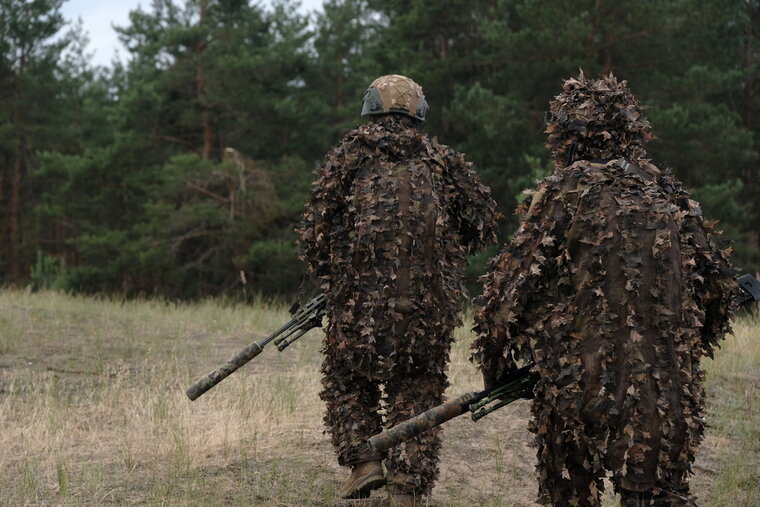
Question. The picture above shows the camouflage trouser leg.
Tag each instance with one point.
(564, 466)
(661, 498)
(413, 465)
(635, 498)
(353, 410)
(672, 485)
(669, 487)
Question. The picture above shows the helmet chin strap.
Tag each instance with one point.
(571, 154)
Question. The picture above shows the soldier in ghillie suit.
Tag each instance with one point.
(386, 228)
(614, 287)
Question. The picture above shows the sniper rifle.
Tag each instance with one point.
(516, 385)
(305, 318)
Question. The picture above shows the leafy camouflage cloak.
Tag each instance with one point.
(614, 287)
(387, 226)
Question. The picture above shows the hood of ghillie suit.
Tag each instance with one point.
(601, 116)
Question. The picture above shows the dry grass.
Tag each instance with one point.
(93, 412)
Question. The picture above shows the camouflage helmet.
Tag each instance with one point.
(394, 94)
(596, 119)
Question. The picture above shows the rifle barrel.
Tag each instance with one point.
(214, 377)
(514, 386)
(308, 315)
(421, 423)
(283, 344)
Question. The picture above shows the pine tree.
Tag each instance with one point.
(39, 82)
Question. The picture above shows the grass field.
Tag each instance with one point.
(93, 412)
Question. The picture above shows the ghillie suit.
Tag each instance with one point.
(613, 286)
(387, 226)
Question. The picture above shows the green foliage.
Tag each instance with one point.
(41, 88)
(476, 267)
(346, 32)
(124, 174)
(706, 138)
(48, 272)
(273, 266)
(725, 202)
(489, 70)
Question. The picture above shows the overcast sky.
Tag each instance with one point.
(98, 18)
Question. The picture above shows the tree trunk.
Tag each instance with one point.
(591, 46)
(4, 251)
(14, 201)
(14, 212)
(749, 91)
(200, 88)
(600, 41)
